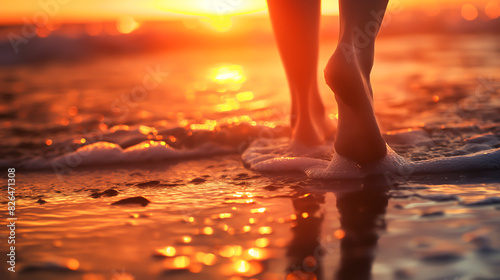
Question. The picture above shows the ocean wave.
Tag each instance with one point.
(420, 150)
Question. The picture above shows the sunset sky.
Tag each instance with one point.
(98, 10)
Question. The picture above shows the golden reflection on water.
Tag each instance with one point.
(242, 266)
(208, 230)
(228, 74)
(179, 262)
(229, 80)
(265, 230)
(244, 96)
(167, 251)
(262, 242)
(209, 259)
(257, 253)
(229, 251)
(258, 210)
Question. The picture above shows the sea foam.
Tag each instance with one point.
(261, 156)
(103, 153)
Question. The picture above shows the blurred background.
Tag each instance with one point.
(72, 29)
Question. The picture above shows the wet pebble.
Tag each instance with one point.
(132, 200)
(57, 265)
(432, 214)
(41, 201)
(241, 176)
(46, 268)
(198, 180)
(108, 193)
(170, 185)
(271, 187)
(148, 184)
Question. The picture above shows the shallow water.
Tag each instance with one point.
(209, 217)
(213, 219)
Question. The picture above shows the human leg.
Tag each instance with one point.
(296, 28)
(348, 75)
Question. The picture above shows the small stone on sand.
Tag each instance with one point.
(148, 184)
(132, 200)
(108, 192)
(197, 181)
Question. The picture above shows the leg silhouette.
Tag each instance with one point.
(296, 29)
(348, 75)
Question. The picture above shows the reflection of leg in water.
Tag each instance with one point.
(304, 250)
(361, 215)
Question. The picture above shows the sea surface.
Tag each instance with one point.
(166, 130)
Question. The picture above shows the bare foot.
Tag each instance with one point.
(321, 117)
(312, 127)
(358, 135)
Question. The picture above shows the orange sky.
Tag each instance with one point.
(97, 10)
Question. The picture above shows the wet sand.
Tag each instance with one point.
(214, 219)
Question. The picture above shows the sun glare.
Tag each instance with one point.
(228, 74)
(212, 7)
(126, 24)
(220, 24)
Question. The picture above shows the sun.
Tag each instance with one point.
(212, 7)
